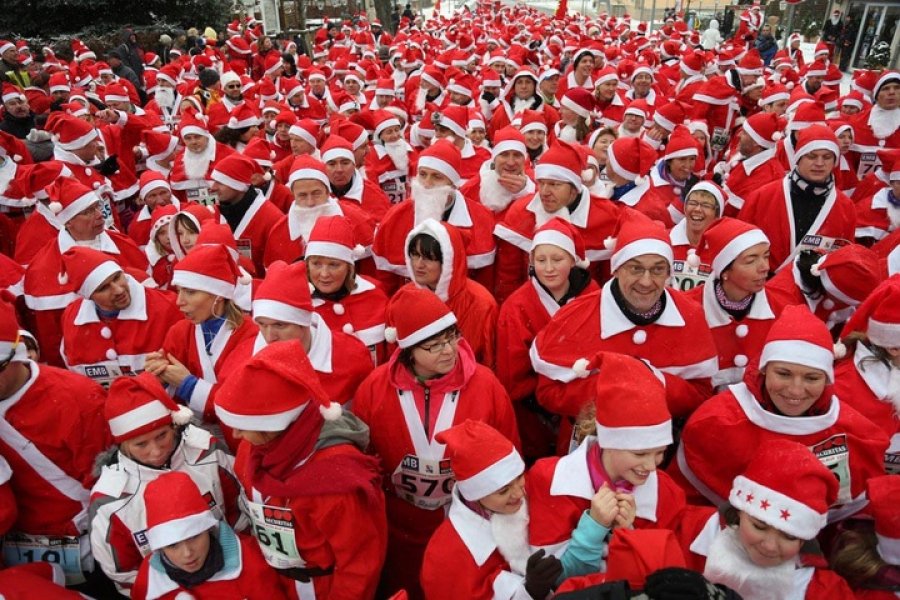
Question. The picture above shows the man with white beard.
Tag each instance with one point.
(877, 128)
(503, 178)
(429, 89)
(311, 189)
(389, 163)
(434, 194)
(191, 172)
(166, 99)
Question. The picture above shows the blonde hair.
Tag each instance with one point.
(855, 556)
(234, 316)
(586, 423)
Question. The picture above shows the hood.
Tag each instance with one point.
(402, 377)
(714, 24)
(454, 270)
(347, 429)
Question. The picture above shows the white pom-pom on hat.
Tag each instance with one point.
(182, 416)
(587, 175)
(740, 360)
(840, 350)
(17, 157)
(55, 207)
(245, 278)
(88, 171)
(62, 278)
(583, 264)
(639, 337)
(777, 136)
(692, 259)
(185, 596)
(267, 176)
(610, 243)
(96, 185)
(332, 412)
(390, 335)
(105, 332)
(112, 354)
(580, 367)
(640, 180)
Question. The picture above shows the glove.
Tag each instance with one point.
(541, 574)
(36, 136)
(675, 583)
(110, 166)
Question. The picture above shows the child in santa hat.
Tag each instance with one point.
(193, 553)
(153, 437)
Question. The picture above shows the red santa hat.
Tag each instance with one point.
(70, 197)
(151, 180)
(242, 116)
(85, 269)
(138, 405)
(59, 82)
(70, 133)
(807, 114)
(634, 554)
(11, 92)
(161, 217)
(284, 294)
(259, 150)
(580, 101)
(692, 63)
(560, 233)
(626, 381)
(210, 269)
(336, 148)
(29, 182)
(11, 345)
(307, 167)
(879, 315)
(508, 139)
(631, 158)
(6, 45)
(384, 119)
(669, 115)
(482, 459)
(193, 123)
(710, 188)
(115, 92)
(751, 63)
(414, 315)
(561, 162)
(638, 108)
(453, 117)
(797, 336)
(786, 487)
(272, 390)
(849, 274)
(815, 137)
(530, 120)
(681, 144)
(158, 144)
(307, 130)
(176, 510)
(725, 239)
(882, 493)
(333, 237)
(385, 87)
(886, 77)
(352, 132)
(890, 163)
(445, 158)
(637, 235)
(816, 69)
(765, 129)
(236, 172)
(774, 92)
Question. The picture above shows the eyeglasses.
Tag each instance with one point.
(437, 347)
(703, 205)
(638, 271)
(233, 86)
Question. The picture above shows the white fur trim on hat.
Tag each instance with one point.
(231, 182)
(508, 145)
(491, 479)
(336, 153)
(98, 276)
(273, 422)
(138, 417)
(204, 283)
(154, 184)
(554, 238)
(177, 530)
(82, 203)
(639, 248)
(733, 249)
(886, 335)
(635, 438)
(575, 107)
(556, 173)
(756, 137)
(303, 134)
(814, 145)
(330, 250)
(443, 167)
(427, 331)
(281, 311)
(617, 167)
(775, 509)
(801, 353)
(308, 174)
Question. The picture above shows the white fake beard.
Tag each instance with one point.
(624, 133)
(520, 104)
(884, 122)
(893, 213)
(165, 97)
(429, 203)
(511, 535)
(729, 564)
(306, 216)
(568, 134)
(492, 194)
(399, 154)
(197, 164)
(421, 97)
(541, 216)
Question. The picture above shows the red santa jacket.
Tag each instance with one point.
(770, 210)
(90, 344)
(748, 175)
(185, 188)
(678, 344)
(844, 440)
(368, 196)
(866, 142)
(35, 580)
(391, 179)
(252, 233)
(395, 406)
(360, 313)
(51, 430)
(34, 233)
(873, 215)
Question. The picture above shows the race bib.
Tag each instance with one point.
(104, 373)
(821, 243)
(201, 195)
(243, 246)
(273, 528)
(395, 189)
(21, 548)
(719, 138)
(424, 483)
(868, 161)
(892, 456)
(687, 277)
(835, 454)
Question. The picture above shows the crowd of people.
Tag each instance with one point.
(501, 305)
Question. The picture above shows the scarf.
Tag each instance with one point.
(210, 329)
(578, 280)
(892, 199)
(333, 296)
(807, 200)
(214, 562)
(535, 153)
(640, 319)
(283, 467)
(737, 309)
(599, 476)
(234, 213)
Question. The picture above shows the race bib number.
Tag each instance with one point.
(395, 189)
(243, 246)
(892, 456)
(202, 196)
(868, 161)
(687, 277)
(20, 549)
(104, 373)
(424, 483)
(835, 454)
(719, 138)
(273, 528)
(821, 243)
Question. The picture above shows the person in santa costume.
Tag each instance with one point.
(154, 192)
(51, 452)
(734, 299)
(452, 124)
(193, 553)
(757, 164)
(115, 321)
(249, 215)
(633, 314)
(703, 206)
(791, 396)
(628, 163)
(347, 182)
(505, 178)
(153, 437)
(561, 193)
(24, 186)
(434, 194)
(845, 178)
(610, 479)
(776, 503)
(672, 177)
(579, 73)
(196, 347)
(867, 551)
(430, 383)
(78, 209)
(392, 162)
(521, 94)
(42, 579)
(557, 275)
(867, 379)
(190, 177)
(485, 535)
(324, 534)
(803, 210)
(878, 127)
(878, 214)
(348, 302)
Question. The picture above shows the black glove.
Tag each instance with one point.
(541, 574)
(110, 166)
(675, 583)
(717, 178)
(487, 97)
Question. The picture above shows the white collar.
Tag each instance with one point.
(66, 241)
(781, 424)
(880, 198)
(751, 163)
(473, 529)
(678, 234)
(362, 285)
(356, 188)
(459, 212)
(634, 195)
(468, 149)
(716, 316)
(136, 311)
(320, 347)
(613, 321)
(876, 374)
(547, 301)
